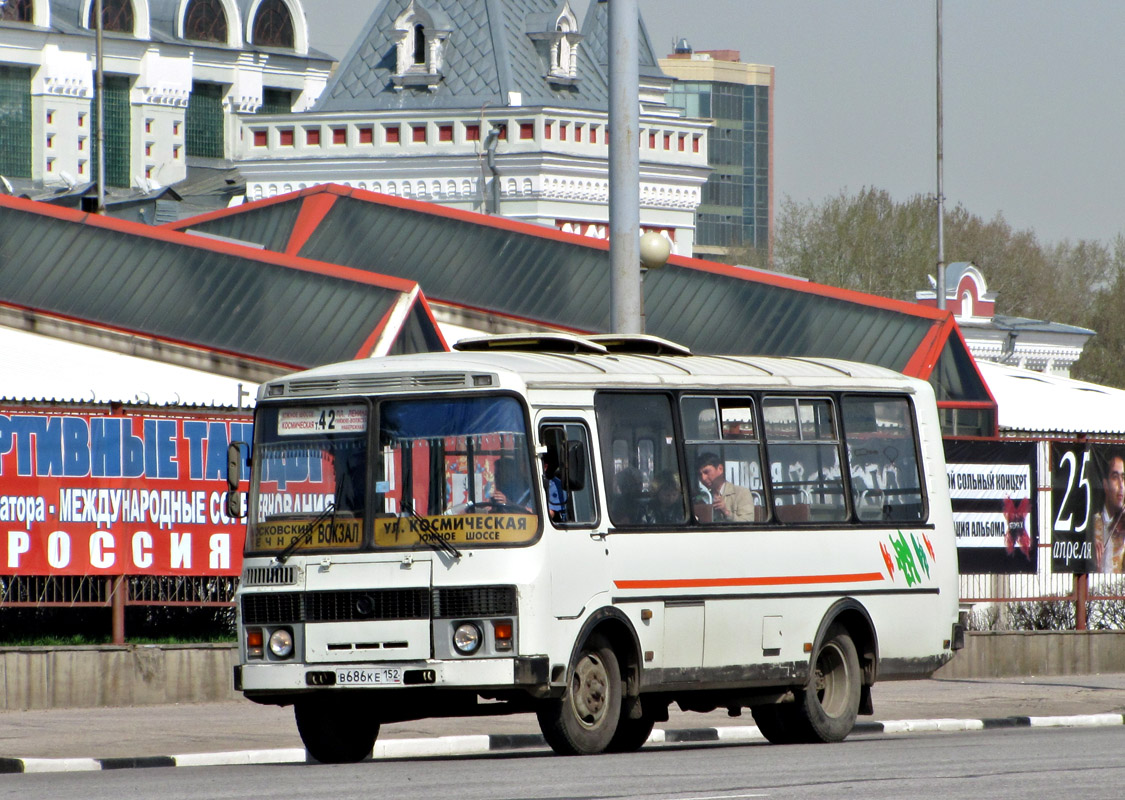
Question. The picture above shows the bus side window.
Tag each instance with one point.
(640, 454)
(724, 460)
(883, 459)
(567, 474)
(805, 472)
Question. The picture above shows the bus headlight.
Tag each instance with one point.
(467, 638)
(281, 643)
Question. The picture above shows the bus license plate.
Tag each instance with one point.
(386, 676)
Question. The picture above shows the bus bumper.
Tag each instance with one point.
(524, 672)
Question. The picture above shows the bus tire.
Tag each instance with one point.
(776, 722)
(335, 732)
(631, 734)
(824, 710)
(584, 720)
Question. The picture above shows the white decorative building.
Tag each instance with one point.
(1033, 344)
(485, 105)
(178, 73)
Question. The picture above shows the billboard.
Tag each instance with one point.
(106, 491)
(1088, 502)
(992, 491)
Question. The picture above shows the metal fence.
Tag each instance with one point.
(37, 591)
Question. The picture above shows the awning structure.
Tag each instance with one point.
(502, 268)
(196, 300)
(43, 368)
(1043, 405)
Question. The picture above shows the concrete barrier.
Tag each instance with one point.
(136, 675)
(1002, 654)
(115, 675)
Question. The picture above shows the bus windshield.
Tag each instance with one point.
(457, 468)
(442, 473)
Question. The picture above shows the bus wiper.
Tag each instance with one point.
(329, 512)
(429, 536)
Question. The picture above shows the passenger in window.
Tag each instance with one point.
(724, 501)
(556, 493)
(667, 498)
(627, 507)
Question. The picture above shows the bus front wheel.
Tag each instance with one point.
(824, 710)
(584, 720)
(334, 732)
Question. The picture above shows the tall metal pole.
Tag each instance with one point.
(99, 89)
(624, 168)
(940, 169)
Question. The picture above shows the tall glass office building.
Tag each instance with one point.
(736, 212)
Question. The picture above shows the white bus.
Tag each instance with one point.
(591, 529)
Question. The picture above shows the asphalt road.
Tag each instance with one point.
(218, 727)
(998, 765)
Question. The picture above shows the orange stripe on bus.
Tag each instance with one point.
(781, 580)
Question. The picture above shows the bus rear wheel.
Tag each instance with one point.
(584, 720)
(631, 734)
(824, 710)
(335, 732)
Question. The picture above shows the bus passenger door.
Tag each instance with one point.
(579, 566)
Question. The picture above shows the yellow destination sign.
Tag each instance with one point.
(343, 533)
(458, 529)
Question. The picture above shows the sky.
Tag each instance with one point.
(1034, 97)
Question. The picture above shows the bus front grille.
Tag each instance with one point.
(474, 601)
(375, 604)
(278, 608)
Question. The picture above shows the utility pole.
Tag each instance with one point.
(940, 169)
(624, 167)
(99, 91)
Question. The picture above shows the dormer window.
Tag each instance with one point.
(273, 25)
(420, 36)
(419, 45)
(556, 36)
(117, 16)
(17, 11)
(205, 21)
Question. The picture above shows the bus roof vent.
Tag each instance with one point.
(533, 342)
(641, 343)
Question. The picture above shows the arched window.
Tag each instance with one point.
(17, 11)
(419, 44)
(117, 15)
(273, 25)
(205, 21)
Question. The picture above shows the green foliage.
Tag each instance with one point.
(871, 243)
(1041, 615)
(1104, 613)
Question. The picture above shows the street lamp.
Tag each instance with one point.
(654, 250)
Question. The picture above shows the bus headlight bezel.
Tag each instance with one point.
(281, 643)
(467, 638)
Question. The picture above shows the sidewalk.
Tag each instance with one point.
(155, 731)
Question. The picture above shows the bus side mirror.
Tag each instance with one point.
(575, 466)
(234, 475)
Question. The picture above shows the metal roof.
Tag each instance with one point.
(487, 56)
(535, 273)
(1042, 404)
(198, 292)
(595, 28)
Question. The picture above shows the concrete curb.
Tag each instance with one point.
(444, 746)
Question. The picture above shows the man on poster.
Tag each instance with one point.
(1109, 525)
